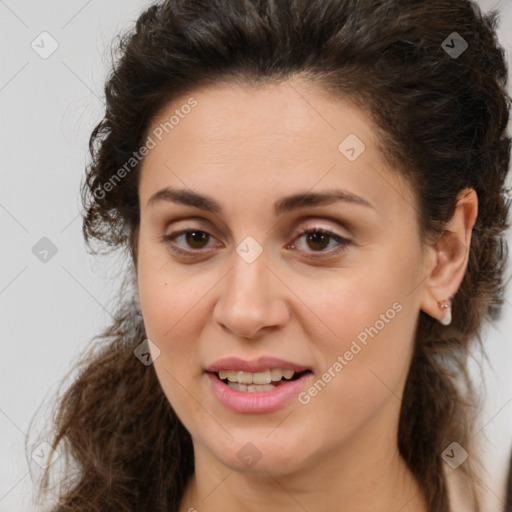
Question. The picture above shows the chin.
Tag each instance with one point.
(259, 455)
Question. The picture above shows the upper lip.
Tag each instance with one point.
(256, 365)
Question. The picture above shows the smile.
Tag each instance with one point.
(258, 392)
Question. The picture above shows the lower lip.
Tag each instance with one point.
(257, 401)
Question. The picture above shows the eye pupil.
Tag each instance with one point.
(196, 236)
(319, 237)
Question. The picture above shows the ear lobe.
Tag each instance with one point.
(450, 255)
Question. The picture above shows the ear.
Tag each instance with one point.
(448, 256)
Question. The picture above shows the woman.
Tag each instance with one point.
(311, 195)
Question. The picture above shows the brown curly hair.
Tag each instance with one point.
(442, 123)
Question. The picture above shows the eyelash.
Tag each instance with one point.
(343, 242)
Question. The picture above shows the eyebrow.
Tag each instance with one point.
(284, 205)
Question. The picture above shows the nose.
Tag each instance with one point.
(252, 300)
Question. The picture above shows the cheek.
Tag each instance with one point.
(350, 306)
(166, 295)
(363, 376)
(171, 323)
(167, 304)
(170, 313)
(366, 356)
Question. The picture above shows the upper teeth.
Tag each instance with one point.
(265, 377)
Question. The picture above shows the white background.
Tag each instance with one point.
(50, 311)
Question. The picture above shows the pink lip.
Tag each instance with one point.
(257, 365)
(258, 401)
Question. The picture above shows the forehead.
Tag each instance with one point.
(271, 116)
(271, 137)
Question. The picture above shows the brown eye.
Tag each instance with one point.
(318, 240)
(196, 239)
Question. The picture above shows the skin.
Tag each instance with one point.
(248, 147)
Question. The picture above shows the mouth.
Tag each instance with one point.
(250, 397)
(257, 386)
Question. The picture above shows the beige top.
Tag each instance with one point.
(460, 496)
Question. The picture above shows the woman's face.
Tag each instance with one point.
(253, 284)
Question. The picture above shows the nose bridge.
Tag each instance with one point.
(249, 268)
(249, 299)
